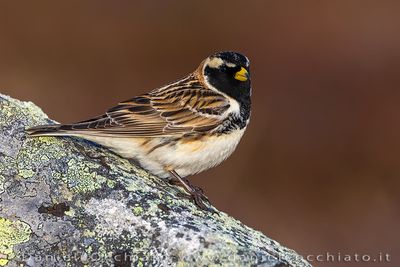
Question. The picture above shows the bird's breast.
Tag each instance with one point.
(195, 154)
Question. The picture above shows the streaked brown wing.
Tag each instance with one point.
(180, 108)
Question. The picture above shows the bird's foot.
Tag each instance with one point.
(198, 198)
(196, 194)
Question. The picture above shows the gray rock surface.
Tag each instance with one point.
(68, 202)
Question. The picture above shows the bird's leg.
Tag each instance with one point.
(178, 182)
(187, 182)
(195, 192)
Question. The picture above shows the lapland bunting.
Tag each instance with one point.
(180, 129)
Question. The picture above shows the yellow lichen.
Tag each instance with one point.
(11, 233)
(88, 233)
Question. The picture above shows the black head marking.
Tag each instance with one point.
(220, 70)
(233, 57)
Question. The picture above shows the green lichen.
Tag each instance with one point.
(26, 173)
(111, 183)
(11, 233)
(81, 178)
(137, 210)
(89, 249)
(11, 108)
(70, 213)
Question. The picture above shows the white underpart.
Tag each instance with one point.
(186, 158)
(194, 157)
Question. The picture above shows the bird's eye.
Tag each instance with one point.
(242, 75)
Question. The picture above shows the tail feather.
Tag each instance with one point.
(48, 130)
(69, 129)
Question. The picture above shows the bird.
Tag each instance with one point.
(177, 130)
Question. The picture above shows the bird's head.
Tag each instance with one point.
(229, 73)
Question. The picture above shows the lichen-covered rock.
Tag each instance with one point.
(68, 202)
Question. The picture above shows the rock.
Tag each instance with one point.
(69, 202)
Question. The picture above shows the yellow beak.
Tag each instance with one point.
(242, 75)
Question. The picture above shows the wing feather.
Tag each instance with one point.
(183, 107)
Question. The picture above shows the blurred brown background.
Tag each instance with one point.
(318, 169)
